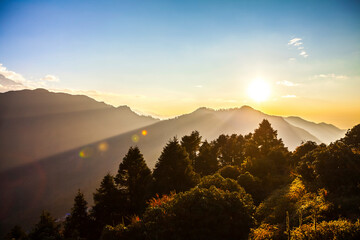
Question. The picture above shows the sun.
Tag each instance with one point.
(259, 90)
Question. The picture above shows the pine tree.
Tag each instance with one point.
(16, 233)
(191, 144)
(110, 204)
(77, 224)
(45, 229)
(173, 171)
(206, 162)
(134, 177)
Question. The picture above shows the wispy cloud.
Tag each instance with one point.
(287, 83)
(289, 96)
(199, 86)
(329, 76)
(11, 75)
(294, 40)
(298, 43)
(50, 78)
(20, 82)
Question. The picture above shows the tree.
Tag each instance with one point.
(173, 171)
(134, 177)
(16, 233)
(352, 137)
(301, 151)
(266, 158)
(191, 144)
(110, 204)
(45, 229)
(206, 162)
(265, 138)
(230, 149)
(200, 213)
(78, 223)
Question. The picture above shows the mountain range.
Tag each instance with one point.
(54, 143)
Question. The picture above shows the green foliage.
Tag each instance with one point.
(251, 185)
(45, 229)
(265, 137)
(225, 184)
(301, 151)
(135, 180)
(16, 233)
(352, 137)
(206, 162)
(230, 172)
(78, 223)
(191, 144)
(173, 171)
(110, 204)
(230, 149)
(339, 230)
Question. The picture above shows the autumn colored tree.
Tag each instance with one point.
(173, 171)
(78, 222)
(135, 179)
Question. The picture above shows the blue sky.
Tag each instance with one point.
(170, 57)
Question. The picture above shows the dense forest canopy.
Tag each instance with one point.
(235, 187)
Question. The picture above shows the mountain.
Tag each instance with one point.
(37, 123)
(326, 133)
(80, 140)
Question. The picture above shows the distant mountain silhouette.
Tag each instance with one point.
(37, 123)
(325, 132)
(52, 182)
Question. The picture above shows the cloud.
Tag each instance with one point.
(329, 76)
(15, 81)
(294, 40)
(289, 96)
(292, 59)
(199, 86)
(298, 43)
(287, 83)
(50, 78)
(11, 75)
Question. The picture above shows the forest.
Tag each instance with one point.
(234, 187)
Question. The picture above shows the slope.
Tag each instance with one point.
(37, 123)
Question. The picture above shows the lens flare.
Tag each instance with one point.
(103, 146)
(144, 132)
(86, 152)
(135, 138)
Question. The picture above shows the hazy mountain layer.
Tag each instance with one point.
(36, 123)
(326, 133)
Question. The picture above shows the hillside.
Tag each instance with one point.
(37, 123)
(326, 133)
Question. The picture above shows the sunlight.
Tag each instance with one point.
(259, 90)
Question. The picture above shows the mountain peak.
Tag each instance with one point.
(246, 107)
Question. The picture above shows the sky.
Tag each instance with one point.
(168, 58)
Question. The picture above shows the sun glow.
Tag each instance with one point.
(259, 90)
